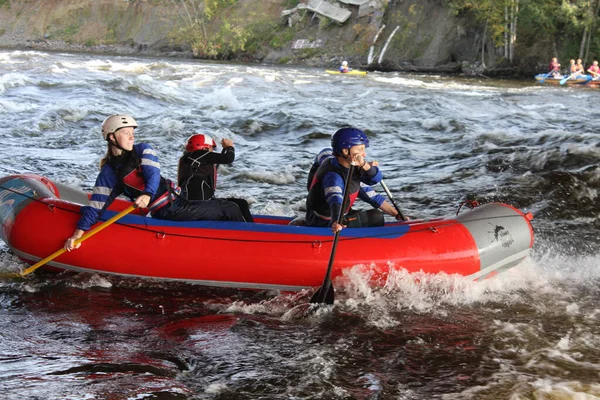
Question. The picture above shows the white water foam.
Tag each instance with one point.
(12, 80)
(277, 178)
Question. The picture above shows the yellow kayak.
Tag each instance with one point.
(353, 72)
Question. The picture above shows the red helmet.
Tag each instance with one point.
(199, 142)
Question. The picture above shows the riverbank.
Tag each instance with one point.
(411, 36)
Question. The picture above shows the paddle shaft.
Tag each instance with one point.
(389, 194)
(546, 76)
(325, 294)
(85, 236)
(564, 80)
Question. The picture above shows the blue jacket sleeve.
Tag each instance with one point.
(150, 167)
(105, 183)
(367, 194)
(371, 177)
(333, 188)
(323, 155)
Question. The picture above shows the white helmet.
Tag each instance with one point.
(115, 122)
(344, 63)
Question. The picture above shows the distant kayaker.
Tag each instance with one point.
(576, 68)
(555, 68)
(594, 70)
(324, 200)
(579, 67)
(133, 170)
(197, 170)
(344, 67)
(572, 67)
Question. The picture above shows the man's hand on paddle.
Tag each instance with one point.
(335, 227)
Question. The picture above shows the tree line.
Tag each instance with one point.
(522, 33)
(566, 29)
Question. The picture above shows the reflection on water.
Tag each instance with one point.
(529, 333)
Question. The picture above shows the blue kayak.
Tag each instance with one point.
(580, 79)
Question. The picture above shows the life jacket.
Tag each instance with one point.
(316, 201)
(128, 169)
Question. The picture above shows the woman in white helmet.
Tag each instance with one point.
(133, 170)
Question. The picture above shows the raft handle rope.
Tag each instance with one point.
(471, 204)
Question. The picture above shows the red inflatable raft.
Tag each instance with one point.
(37, 215)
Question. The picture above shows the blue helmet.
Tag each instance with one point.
(348, 137)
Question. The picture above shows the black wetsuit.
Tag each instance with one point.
(197, 177)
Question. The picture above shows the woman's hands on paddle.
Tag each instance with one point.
(142, 201)
(70, 242)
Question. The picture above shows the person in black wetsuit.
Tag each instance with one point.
(197, 170)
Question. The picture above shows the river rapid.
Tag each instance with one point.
(529, 333)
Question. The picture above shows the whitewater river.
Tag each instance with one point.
(530, 333)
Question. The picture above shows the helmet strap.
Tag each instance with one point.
(114, 143)
(346, 157)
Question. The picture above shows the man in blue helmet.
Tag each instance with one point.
(326, 188)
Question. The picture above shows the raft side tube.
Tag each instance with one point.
(503, 235)
(16, 193)
(74, 195)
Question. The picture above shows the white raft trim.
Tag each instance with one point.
(506, 262)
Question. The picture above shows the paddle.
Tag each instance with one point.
(546, 76)
(596, 75)
(85, 236)
(325, 294)
(564, 80)
(389, 194)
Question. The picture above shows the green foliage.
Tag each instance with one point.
(111, 36)
(5, 3)
(493, 13)
(281, 38)
(211, 31)
(405, 34)
(363, 39)
(66, 34)
(310, 52)
(212, 7)
(558, 23)
(540, 17)
(324, 22)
